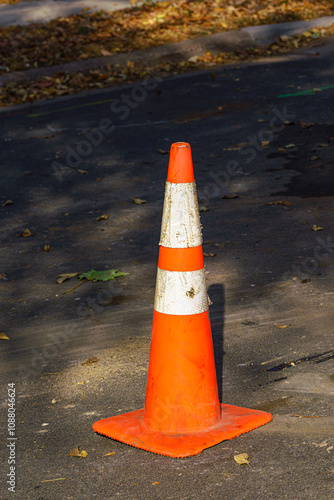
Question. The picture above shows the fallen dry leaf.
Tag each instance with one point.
(155, 483)
(265, 144)
(289, 146)
(305, 124)
(82, 171)
(105, 52)
(109, 454)
(203, 208)
(103, 217)
(282, 326)
(238, 146)
(27, 233)
(307, 416)
(7, 202)
(162, 151)
(76, 453)
(3, 336)
(66, 276)
(47, 248)
(138, 201)
(2, 276)
(49, 480)
(280, 202)
(242, 459)
(317, 228)
(90, 361)
(230, 196)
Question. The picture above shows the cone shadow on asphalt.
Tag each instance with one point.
(216, 293)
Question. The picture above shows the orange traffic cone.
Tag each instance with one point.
(182, 414)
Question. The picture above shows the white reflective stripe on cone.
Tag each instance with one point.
(181, 293)
(181, 227)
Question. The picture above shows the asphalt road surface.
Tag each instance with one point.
(262, 138)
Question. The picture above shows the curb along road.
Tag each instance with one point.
(44, 11)
(229, 41)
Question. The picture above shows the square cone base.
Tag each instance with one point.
(129, 428)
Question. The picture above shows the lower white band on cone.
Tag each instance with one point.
(180, 227)
(181, 293)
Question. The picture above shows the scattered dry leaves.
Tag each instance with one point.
(88, 35)
(3, 336)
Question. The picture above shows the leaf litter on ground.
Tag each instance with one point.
(88, 35)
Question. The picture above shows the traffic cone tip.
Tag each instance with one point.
(180, 167)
